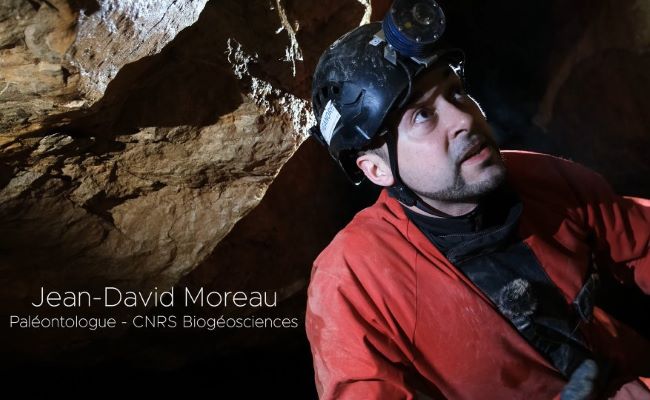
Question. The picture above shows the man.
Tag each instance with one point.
(473, 275)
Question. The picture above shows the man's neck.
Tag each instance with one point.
(454, 209)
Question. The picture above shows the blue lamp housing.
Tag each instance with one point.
(412, 27)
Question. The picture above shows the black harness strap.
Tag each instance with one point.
(399, 190)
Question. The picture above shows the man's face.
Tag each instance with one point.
(445, 148)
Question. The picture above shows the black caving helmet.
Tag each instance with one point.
(368, 73)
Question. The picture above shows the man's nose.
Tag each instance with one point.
(457, 120)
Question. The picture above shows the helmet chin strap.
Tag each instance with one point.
(399, 190)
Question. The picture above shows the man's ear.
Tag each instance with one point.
(376, 169)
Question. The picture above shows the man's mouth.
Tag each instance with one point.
(472, 150)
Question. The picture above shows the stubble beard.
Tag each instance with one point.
(461, 191)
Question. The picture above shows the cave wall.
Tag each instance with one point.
(136, 134)
(58, 56)
(569, 78)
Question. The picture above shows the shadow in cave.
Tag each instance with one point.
(191, 81)
(270, 249)
(89, 7)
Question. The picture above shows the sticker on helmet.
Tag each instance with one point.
(376, 41)
(328, 121)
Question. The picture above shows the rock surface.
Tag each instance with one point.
(172, 146)
(597, 103)
(568, 78)
(58, 56)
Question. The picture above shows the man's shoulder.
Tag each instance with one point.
(369, 232)
(368, 261)
(537, 171)
(374, 240)
(528, 159)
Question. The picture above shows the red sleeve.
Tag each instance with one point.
(621, 225)
(355, 355)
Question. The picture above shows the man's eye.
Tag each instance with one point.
(422, 116)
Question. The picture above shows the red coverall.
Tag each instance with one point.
(389, 317)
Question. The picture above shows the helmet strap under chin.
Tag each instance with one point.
(399, 190)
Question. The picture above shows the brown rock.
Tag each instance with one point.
(58, 56)
(596, 103)
(136, 191)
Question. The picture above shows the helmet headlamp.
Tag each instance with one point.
(412, 27)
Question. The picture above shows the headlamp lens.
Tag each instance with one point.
(412, 27)
(423, 13)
